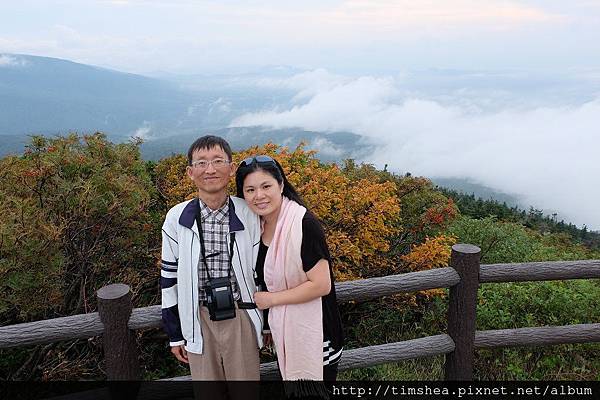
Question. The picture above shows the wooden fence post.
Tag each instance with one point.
(120, 349)
(462, 312)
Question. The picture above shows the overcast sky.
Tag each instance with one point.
(355, 36)
(526, 120)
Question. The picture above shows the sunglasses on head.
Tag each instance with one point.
(258, 159)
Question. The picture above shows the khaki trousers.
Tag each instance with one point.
(230, 350)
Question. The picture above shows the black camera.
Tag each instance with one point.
(219, 299)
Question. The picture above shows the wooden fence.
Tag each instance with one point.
(116, 320)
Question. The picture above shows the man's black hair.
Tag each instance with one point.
(206, 143)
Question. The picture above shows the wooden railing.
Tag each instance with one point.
(116, 320)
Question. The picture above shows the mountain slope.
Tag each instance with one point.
(48, 95)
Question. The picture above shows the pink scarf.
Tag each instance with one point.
(297, 329)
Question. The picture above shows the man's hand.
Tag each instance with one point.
(180, 353)
(263, 300)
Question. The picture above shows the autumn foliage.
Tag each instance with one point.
(360, 211)
(76, 214)
(360, 206)
(81, 211)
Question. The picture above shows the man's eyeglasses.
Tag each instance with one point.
(258, 159)
(216, 163)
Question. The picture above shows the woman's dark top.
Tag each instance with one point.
(314, 248)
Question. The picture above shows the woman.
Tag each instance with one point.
(295, 266)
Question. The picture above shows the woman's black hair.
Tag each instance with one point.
(272, 168)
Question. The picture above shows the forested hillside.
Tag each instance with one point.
(80, 212)
(534, 219)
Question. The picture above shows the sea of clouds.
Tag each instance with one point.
(537, 138)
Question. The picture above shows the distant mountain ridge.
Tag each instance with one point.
(478, 190)
(42, 95)
(49, 95)
(333, 146)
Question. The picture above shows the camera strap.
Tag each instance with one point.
(241, 305)
(203, 248)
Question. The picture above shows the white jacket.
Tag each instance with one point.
(179, 269)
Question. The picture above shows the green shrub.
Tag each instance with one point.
(76, 214)
(499, 242)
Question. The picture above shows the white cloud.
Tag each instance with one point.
(118, 2)
(12, 61)
(220, 105)
(143, 132)
(386, 16)
(306, 84)
(182, 35)
(546, 154)
(340, 106)
(325, 148)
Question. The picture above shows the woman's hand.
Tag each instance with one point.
(317, 285)
(263, 300)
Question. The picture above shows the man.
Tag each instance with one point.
(209, 237)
